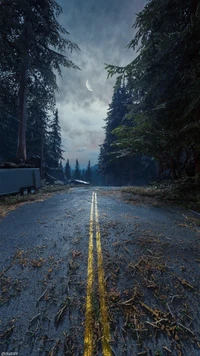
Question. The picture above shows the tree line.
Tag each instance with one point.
(160, 116)
(33, 51)
(90, 174)
(119, 167)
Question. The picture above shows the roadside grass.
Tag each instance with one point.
(182, 192)
(11, 202)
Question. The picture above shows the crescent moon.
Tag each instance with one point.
(88, 85)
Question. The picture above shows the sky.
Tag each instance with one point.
(102, 29)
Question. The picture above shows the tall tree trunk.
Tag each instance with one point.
(21, 148)
(42, 154)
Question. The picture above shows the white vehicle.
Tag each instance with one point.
(78, 181)
(19, 180)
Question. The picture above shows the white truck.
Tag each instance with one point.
(19, 180)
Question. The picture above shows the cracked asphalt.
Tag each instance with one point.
(151, 259)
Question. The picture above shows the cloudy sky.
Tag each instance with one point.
(101, 29)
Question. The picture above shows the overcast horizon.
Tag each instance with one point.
(102, 31)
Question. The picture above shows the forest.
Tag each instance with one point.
(33, 51)
(152, 127)
(153, 120)
(89, 174)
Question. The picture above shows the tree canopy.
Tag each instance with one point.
(67, 170)
(77, 172)
(119, 166)
(164, 78)
(33, 51)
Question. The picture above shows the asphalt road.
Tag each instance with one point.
(88, 273)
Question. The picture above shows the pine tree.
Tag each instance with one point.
(77, 173)
(36, 130)
(88, 173)
(116, 112)
(83, 175)
(8, 136)
(165, 73)
(96, 179)
(55, 146)
(68, 170)
(8, 92)
(60, 166)
(32, 51)
(115, 167)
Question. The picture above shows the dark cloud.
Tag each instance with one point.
(102, 29)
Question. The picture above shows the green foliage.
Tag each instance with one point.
(68, 170)
(117, 110)
(54, 142)
(8, 136)
(83, 175)
(77, 172)
(165, 122)
(33, 49)
(96, 178)
(37, 130)
(118, 164)
(88, 173)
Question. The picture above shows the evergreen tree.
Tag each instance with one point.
(96, 179)
(8, 136)
(8, 94)
(55, 141)
(68, 170)
(88, 173)
(32, 50)
(116, 167)
(77, 172)
(165, 73)
(107, 160)
(60, 166)
(36, 131)
(83, 175)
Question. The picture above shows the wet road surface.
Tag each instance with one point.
(86, 273)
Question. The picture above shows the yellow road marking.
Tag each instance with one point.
(88, 339)
(102, 291)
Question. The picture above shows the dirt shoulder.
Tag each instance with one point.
(12, 202)
(180, 193)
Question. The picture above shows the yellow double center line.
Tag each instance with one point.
(88, 339)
